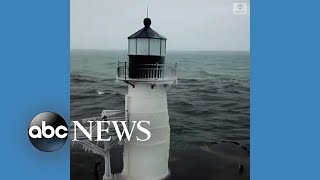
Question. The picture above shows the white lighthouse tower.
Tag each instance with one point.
(148, 77)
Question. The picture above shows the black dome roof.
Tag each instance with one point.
(146, 32)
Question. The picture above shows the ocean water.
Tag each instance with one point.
(210, 103)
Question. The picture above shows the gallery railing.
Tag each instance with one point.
(145, 72)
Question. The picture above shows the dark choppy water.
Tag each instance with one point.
(209, 104)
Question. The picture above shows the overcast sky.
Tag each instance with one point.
(187, 24)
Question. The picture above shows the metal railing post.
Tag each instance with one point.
(157, 71)
(175, 72)
(125, 71)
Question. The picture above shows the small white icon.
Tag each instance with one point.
(240, 8)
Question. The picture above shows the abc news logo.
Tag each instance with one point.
(240, 8)
(48, 131)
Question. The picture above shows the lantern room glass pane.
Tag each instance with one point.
(163, 47)
(142, 46)
(155, 47)
(132, 47)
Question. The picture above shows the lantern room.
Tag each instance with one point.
(146, 42)
(146, 51)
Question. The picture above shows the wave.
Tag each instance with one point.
(76, 78)
(101, 92)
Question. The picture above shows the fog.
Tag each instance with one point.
(187, 24)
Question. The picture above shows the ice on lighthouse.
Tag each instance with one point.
(148, 77)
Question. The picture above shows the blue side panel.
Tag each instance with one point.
(285, 90)
(34, 77)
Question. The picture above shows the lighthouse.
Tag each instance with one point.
(148, 77)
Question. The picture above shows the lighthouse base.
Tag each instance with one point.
(147, 160)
